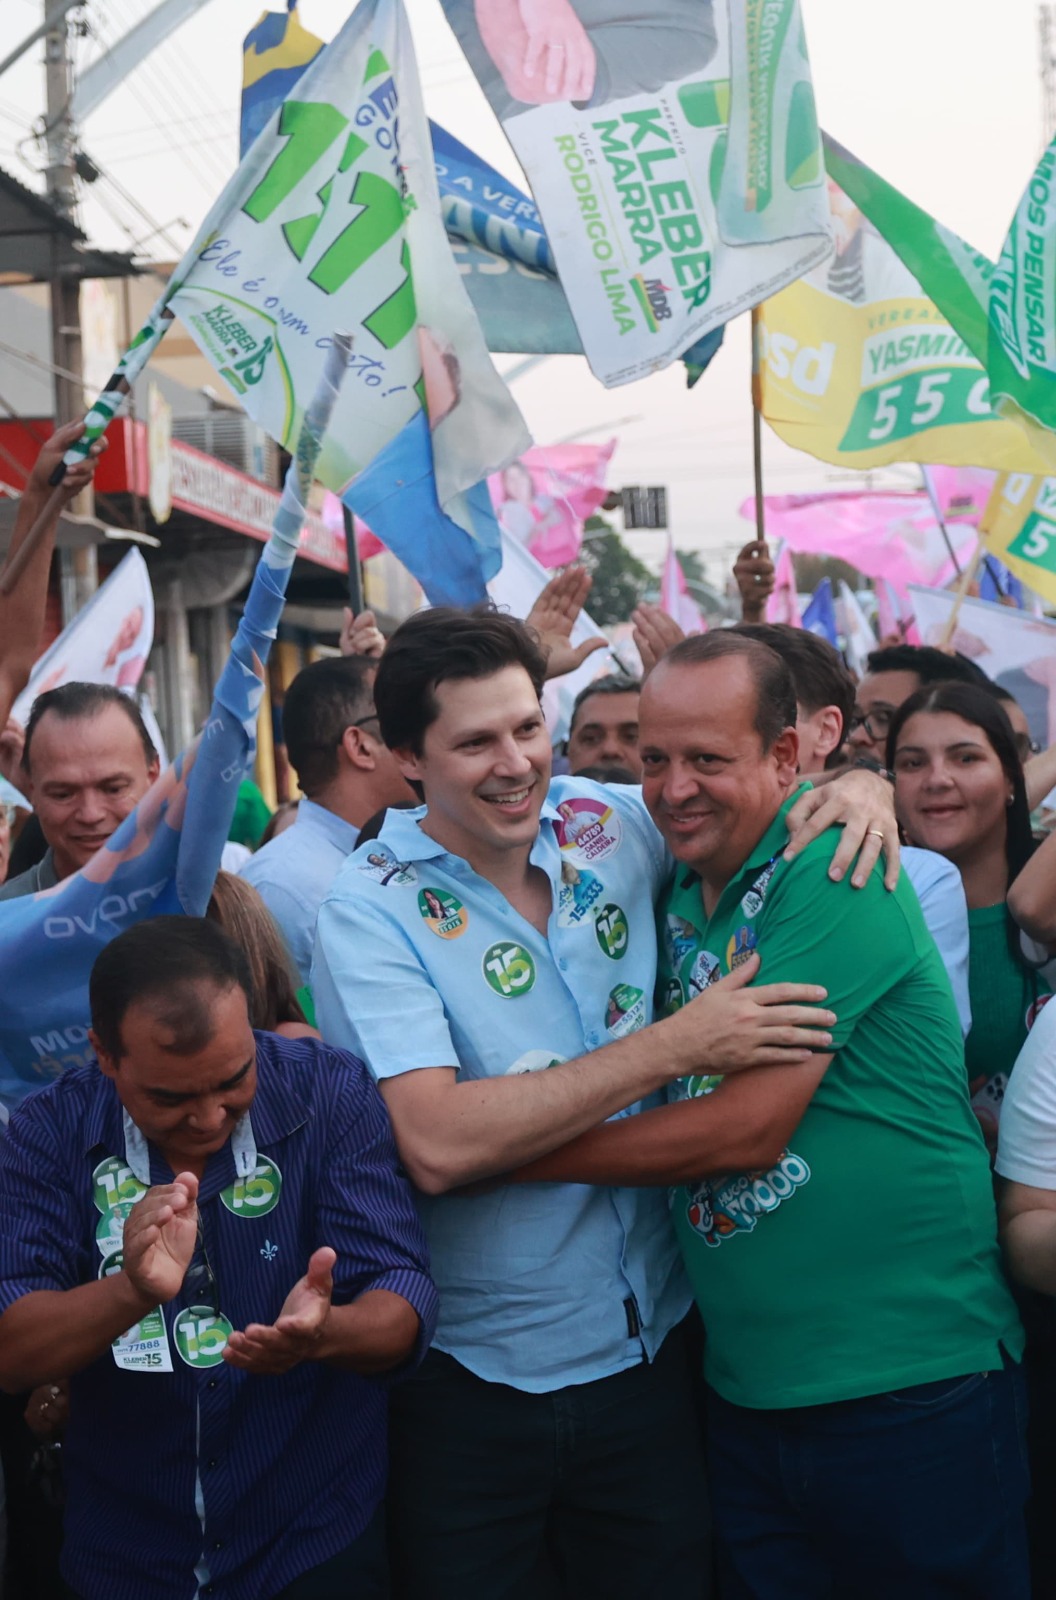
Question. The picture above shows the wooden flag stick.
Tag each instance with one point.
(965, 582)
(17, 563)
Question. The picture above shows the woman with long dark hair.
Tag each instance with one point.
(959, 790)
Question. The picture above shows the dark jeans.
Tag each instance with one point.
(913, 1495)
(593, 1490)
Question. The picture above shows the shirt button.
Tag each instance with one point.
(218, 1545)
(563, 964)
(213, 1463)
(211, 1384)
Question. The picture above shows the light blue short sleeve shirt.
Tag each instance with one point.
(293, 872)
(419, 963)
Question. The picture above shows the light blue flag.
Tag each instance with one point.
(820, 615)
(396, 497)
(165, 855)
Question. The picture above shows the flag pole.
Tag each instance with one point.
(965, 582)
(939, 518)
(111, 403)
(757, 443)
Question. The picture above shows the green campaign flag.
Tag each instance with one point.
(1023, 305)
(1006, 315)
(952, 274)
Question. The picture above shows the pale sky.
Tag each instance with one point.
(942, 97)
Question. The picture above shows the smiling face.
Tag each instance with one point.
(87, 774)
(709, 785)
(951, 790)
(484, 765)
(186, 1105)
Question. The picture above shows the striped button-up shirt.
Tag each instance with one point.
(205, 1478)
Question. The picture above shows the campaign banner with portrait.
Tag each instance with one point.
(108, 640)
(544, 497)
(1016, 650)
(674, 152)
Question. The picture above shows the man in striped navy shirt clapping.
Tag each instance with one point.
(209, 1236)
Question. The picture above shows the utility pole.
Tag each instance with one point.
(1047, 69)
(78, 568)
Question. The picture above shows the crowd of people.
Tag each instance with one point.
(623, 1169)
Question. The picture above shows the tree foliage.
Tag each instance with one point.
(620, 579)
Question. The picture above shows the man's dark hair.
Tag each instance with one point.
(775, 708)
(612, 683)
(929, 664)
(323, 700)
(74, 702)
(608, 772)
(438, 646)
(819, 675)
(179, 965)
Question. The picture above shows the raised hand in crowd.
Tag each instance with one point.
(754, 574)
(360, 635)
(22, 611)
(553, 616)
(654, 634)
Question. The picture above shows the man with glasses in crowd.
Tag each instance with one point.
(208, 1234)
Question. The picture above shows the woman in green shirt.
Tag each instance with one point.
(959, 790)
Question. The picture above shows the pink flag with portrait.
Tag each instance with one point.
(544, 497)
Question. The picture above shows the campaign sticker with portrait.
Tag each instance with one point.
(443, 914)
(589, 830)
(386, 870)
(625, 1010)
(579, 890)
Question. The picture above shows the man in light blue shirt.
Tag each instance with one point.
(331, 733)
(493, 958)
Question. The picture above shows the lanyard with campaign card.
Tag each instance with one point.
(116, 1188)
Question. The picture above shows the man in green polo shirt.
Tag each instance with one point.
(836, 1218)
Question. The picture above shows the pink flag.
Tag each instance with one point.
(543, 498)
(894, 613)
(893, 536)
(961, 492)
(675, 597)
(783, 604)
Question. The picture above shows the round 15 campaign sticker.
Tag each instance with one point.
(612, 932)
(589, 830)
(443, 914)
(113, 1184)
(256, 1195)
(508, 969)
(202, 1335)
